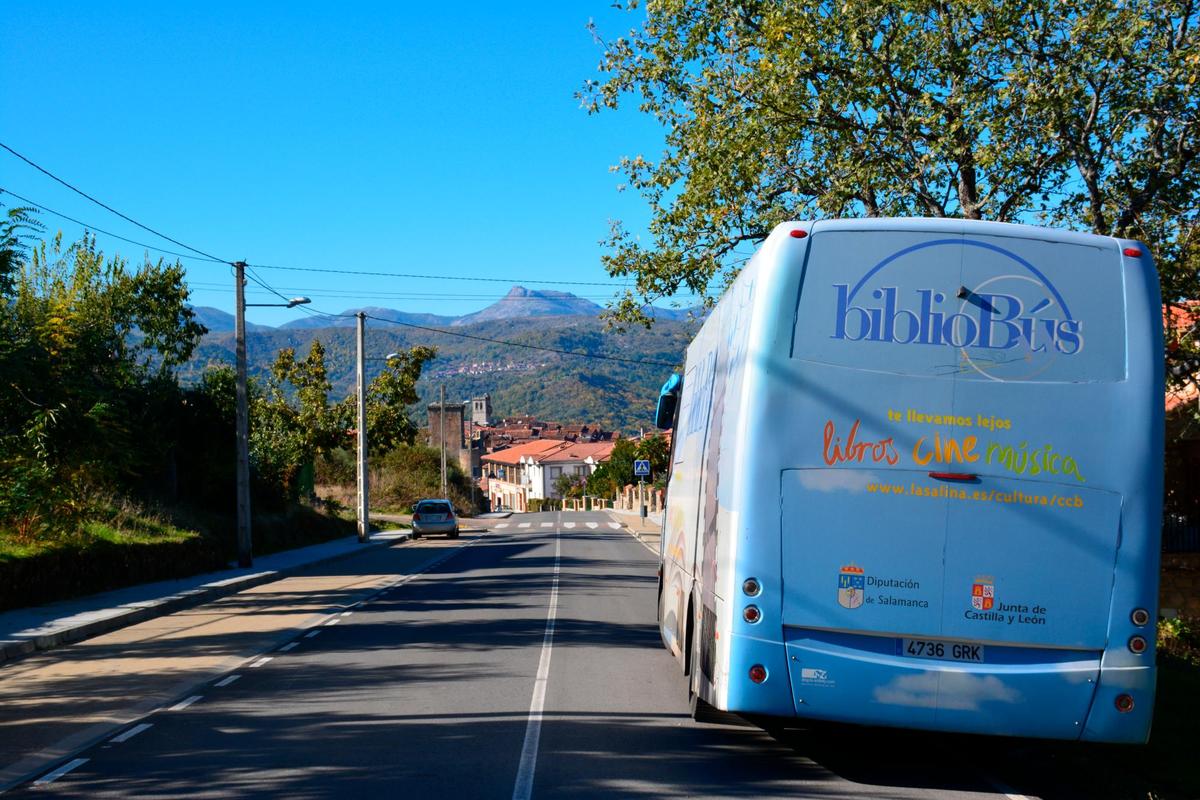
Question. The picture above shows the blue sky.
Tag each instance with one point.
(414, 138)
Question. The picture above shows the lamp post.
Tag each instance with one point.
(245, 550)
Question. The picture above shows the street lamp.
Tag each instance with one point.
(245, 556)
(295, 301)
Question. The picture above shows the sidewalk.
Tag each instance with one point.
(26, 630)
(647, 530)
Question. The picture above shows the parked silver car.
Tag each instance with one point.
(434, 516)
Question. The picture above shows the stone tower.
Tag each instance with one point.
(481, 410)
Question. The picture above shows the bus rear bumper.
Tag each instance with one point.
(1028, 692)
(1107, 722)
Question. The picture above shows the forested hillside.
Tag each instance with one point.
(549, 385)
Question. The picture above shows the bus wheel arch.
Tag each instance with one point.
(688, 637)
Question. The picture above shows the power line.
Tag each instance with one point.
(324, 270)
(95, 229)
(560, 351)
(103, 205)
(595, 356)
(352, 293)
(254, 277)
(433, 277)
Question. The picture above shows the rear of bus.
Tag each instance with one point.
(956, 429)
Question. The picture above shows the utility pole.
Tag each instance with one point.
(242, 427)
(364, 519)
(442, 421)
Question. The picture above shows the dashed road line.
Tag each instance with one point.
(347, 613)
(182, 704)
(129, 734)
(547, 524)
(227, 681)
(311, 634)
(51, 777)
(502, 525)
(288, 647)
(524, 525)
(261, 661)
(533, 730)
(333, 621)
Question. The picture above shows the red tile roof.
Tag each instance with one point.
(1180, 320)
(513, 454)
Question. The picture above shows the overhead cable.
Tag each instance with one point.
(107, 207)
(95, 229)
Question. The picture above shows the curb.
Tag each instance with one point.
(133, 613)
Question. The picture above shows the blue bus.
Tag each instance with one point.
(917, 482)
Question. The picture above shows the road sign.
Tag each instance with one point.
(641, 468)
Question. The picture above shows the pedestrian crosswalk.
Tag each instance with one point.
(616, 526)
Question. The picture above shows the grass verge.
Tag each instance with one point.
(118, 545)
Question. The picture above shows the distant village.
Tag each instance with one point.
(516, 460)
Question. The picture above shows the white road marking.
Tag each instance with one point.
(288, 646)
(502, 525)
(227, 681)
(347, 613)
(182, 704)
(616, 526)
(129, 734)
(260, 662)
(51, 777)
(333, 621)
(547, 524)
(568, 524)
(1005, 790)
(311, 634)
(524, 524)
(593, 525)
(533, 730)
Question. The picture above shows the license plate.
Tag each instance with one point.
(943, 651)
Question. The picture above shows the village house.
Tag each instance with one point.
(530, 471)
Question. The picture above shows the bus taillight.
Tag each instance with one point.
(1139, 617)
(751, 614)
(1124, 703)
(758, 673)
(751, 587)
(1137, 644)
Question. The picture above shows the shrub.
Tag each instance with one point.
(1180, 638)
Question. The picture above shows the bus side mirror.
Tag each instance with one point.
(668, 400)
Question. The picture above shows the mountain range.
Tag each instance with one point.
(510, 350)
(519, 303)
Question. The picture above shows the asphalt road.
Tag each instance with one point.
(526, 663)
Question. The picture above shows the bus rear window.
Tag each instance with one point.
(969, 307)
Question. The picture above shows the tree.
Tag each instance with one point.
(389, 397)
(569, 485)
(17, 226)
(611, 476)
(655, 450)
(87, 353)
(1083, 115)
(292, 421)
